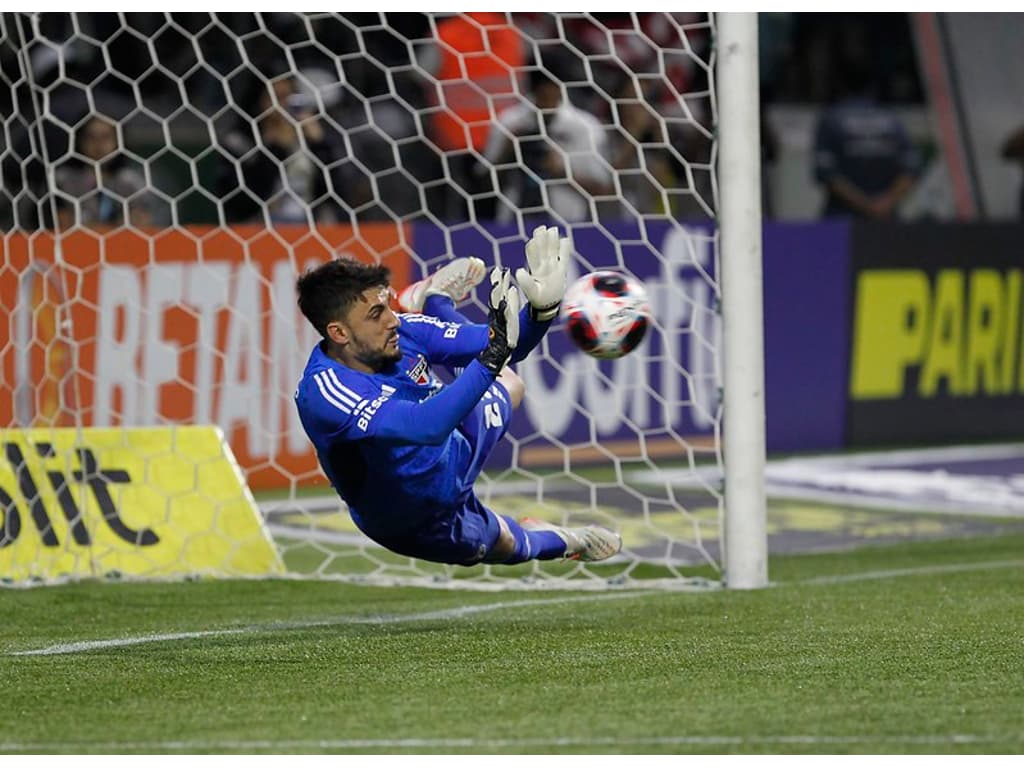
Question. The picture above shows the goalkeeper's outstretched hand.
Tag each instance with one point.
(502, 322)
(544, 284)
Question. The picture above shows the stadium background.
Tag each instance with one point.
(903, 334)
(853, 361)
(919, 65)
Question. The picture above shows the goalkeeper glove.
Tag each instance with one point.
(544, 284)
(502, 321)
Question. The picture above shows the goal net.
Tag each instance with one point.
(166, 176)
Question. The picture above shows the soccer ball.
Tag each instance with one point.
(607, 314)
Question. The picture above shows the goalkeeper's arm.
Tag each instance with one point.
(547, 256)
(432, 420)
(468, 340)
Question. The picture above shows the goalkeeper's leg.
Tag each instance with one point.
(516, 544)
(508, 541)
(505, 541)
(474, 534)
(538, 540)
(487, 423)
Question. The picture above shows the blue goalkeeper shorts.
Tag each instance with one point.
(465, 534)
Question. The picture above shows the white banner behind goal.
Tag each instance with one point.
(167, 177)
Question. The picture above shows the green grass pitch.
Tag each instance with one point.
(911, 648)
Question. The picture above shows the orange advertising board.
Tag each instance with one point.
(187, 326)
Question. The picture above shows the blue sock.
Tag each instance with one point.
(533, 545)
(443, 308)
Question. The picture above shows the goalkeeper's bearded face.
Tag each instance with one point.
(372, 329)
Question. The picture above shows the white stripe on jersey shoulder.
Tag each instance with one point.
(319, 379)
(330, 382)
(334, 396)
(341, 388)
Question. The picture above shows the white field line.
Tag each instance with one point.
(469, 610)
(525, 744)
(439, 615)
(924, 570)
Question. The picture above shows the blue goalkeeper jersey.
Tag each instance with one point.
(388, 441)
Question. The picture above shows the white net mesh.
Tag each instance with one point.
(167, 176)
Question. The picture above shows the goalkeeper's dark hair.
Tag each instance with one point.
(327, 293)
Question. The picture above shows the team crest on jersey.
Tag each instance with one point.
(420, 373)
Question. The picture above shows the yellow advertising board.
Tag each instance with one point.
(158, 502)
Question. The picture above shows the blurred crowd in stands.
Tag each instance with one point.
(157, 119)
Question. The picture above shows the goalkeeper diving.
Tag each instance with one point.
(402, 448)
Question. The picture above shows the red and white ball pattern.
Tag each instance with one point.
(607, 313)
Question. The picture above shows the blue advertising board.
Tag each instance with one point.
(807, 309)
(875, 334)
(669, 387)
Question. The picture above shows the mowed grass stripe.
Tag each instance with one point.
(922, 653)
(469, 610)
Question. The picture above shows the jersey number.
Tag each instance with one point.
(492, 415)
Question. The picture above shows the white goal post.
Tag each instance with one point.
(739, 175)
(167, 176)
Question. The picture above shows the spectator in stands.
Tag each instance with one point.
(398, 173)
(1013, 151)
(98, 185)
(639, 151)
(297, 171)
(564, 153)
(476, 65)
(863, 156)
(663, 45)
